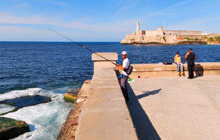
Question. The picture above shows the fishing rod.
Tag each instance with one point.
(80, 45)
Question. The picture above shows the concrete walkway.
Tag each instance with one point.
(104, 115)
(176, 108)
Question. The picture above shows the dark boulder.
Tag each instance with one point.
(25, 101)
(10, 128)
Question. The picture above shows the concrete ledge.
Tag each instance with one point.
(110, 56)
(161, 70)
(104, 114)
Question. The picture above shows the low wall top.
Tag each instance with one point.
(110, 56)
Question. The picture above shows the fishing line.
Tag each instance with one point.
(80, 45)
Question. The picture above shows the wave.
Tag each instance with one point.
(44, 120)
(27, 92)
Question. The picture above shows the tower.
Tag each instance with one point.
(137, 28)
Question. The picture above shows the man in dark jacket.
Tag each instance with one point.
(190, 58)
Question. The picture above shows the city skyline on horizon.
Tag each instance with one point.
(105, 21)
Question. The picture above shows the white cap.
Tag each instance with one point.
(124, 53)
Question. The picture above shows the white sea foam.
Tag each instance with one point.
(45, 120)
(6, 108)
(26, 92)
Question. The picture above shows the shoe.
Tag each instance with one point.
(182, 74)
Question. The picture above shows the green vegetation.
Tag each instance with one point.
(217, 38)
(164, 39)
(189, 39)
(133, 39)
(210, 39)
(196, 38)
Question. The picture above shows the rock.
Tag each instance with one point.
(10, 128)
(24, 101)
(70, 126)
(71, 95)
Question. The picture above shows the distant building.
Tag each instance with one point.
(161, 36)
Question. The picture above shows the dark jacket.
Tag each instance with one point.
(191, 58)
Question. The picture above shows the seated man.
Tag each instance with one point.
(177, 60)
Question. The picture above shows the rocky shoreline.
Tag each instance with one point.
(170, 37)
(177, 43)
(24, 101)
(70, 126)
(11, 128)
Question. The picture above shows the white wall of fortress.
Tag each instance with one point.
(173, 32)
(148, 36)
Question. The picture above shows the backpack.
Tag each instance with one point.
(167, 63)
(129, 70)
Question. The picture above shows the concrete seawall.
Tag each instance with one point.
(104, 114)
(161, 70)
(101, 112)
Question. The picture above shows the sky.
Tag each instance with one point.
(102, 20)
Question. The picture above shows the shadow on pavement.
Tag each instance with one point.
(144, 128)
(148, 93)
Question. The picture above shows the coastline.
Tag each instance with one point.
(176, 43)
(162, 36)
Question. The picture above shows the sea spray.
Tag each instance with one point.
(45, 120)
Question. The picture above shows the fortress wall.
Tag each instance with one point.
(153, 36)
(168, 32)
(161, 70)
(153, 33)
(191, 36)
(104, 114)
(161, 36)
(130, 36)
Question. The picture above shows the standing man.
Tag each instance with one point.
(190, 59)
(124, 76)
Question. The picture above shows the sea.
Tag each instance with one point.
(53, 68)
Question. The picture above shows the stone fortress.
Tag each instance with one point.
(161, 36)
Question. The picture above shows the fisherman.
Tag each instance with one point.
(177, 61)
(190, 58)
(124, 76)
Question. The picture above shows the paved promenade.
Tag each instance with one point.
(176, 108)
(104, 114)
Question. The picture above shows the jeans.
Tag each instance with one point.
(123, 83)
(179, 66)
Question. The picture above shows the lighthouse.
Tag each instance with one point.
(137, 28)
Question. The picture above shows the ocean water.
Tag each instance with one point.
(52, 68)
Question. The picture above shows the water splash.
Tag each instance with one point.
(44, 120)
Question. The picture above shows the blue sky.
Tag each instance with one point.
(102, 20)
